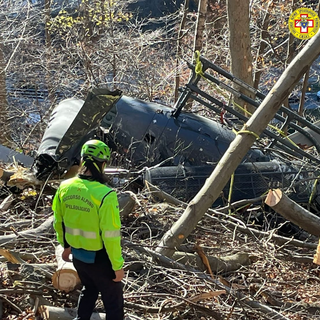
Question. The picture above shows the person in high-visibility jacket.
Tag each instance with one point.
(87, 224)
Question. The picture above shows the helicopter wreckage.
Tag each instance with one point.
(177, 150)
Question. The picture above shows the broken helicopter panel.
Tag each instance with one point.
(8, 155)
(177, 150)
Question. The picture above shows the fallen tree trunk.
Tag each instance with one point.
(221, 264)
(66, 277)
(46, 228)
(293, 212)
(55, 313)
(161, 195)
(217, 265)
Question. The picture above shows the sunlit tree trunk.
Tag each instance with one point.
(198, 37)
(262, 46)
(240, 46)
(178, 57)
(5, 136)
(291, 48)
(290, 56)
(47, 14)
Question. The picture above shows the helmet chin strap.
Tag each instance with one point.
(97, 167)
(92, 161)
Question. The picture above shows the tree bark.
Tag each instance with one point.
(5, 204)
(4, 138)
(238, 148)
(179, 49)
(217, 265)
(240, 46)
(293, 212)
(263, 44)
(198, 39)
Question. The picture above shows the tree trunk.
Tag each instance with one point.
(290, 47)
(5, 136)
(178, 57)
(238, 148)
(221, 264)
(198, 39)
(263, 44)
(47, 15)
(31, 234)
(240, 47)
(293, 212)
(290, 56)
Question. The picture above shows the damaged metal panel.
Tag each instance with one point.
(8, 155)
(70, 125)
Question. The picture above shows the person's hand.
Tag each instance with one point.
(119, 275)
(65, 254)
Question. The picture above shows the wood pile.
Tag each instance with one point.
(233, 266)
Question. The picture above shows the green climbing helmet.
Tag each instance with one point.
(96, 149)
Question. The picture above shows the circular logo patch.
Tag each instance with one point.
(303, 23)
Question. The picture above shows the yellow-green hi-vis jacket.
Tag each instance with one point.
(89, 212)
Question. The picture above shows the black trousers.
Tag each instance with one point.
(95, 278)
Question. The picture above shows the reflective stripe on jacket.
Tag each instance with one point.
(86, 214)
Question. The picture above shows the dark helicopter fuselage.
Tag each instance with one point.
(148, 134)
(177, 153)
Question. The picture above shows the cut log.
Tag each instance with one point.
(293, 212)
(55, 313)
(127, 201)
(66, 277)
